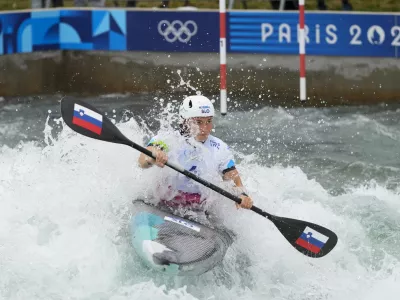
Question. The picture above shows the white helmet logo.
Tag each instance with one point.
(205, 109)
(176, 30)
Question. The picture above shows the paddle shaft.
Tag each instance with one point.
(181, 170)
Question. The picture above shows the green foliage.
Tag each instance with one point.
(358, 5)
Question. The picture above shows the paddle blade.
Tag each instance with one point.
(310, 239)
(87, 120)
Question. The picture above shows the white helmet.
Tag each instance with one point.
(196, 106)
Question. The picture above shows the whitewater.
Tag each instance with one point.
(65, 203)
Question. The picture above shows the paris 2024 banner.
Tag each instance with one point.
(330, 34)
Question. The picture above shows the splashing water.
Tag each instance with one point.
(65, 207)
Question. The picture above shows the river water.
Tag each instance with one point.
(65, 200)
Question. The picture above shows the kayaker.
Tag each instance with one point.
(194, 148)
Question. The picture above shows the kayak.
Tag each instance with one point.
(175, 245)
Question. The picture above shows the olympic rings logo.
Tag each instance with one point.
(176, 30)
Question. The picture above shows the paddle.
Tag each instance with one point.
(310, 239)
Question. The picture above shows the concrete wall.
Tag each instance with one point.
(269, 78)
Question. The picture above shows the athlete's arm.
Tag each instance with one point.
(146, 162)
(233, 174)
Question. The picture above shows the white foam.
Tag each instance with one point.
(64, 213)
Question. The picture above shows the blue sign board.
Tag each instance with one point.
(173, 31)
(62, 29)
(339, 34)
(342, 34)
(113, 29)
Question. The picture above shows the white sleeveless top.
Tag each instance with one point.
(207, 160)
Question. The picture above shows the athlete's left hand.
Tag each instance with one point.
(247, 202)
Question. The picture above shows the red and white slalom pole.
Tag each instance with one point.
(222, 55)
(302, 51)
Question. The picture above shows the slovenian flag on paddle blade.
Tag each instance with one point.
(312, 240)
(87, 118)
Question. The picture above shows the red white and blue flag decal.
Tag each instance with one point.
(312, 240)
(87, 118)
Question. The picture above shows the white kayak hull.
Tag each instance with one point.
(174, 245)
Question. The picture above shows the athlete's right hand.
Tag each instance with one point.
(161, 157)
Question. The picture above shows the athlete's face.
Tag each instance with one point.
(201, 127)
